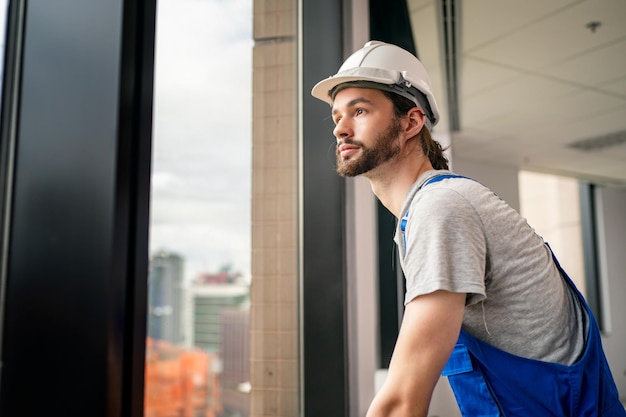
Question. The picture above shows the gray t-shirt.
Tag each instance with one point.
(461, 237)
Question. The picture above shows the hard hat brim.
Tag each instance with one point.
(322, 89)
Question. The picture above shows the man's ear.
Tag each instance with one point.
(416, 120)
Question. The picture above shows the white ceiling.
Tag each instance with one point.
(533, 79)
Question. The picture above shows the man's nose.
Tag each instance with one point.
(342, 129)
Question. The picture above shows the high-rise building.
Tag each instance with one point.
(209, 302)
(235, 352)
(165, 300)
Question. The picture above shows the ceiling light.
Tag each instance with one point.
(600, 142)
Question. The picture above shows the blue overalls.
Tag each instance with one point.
(489, 382)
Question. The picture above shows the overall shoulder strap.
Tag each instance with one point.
(432, 180)
(443, 177)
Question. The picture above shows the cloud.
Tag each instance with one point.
(202, 133)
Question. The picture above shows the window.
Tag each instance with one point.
(198, 316)
(4, 4)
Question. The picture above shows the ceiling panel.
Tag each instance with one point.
(616, 87)
(478, 76)
(515, 99)
(584, 69)
(487, 20)
(585, 127)
(555, 37)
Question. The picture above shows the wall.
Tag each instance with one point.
(551, 204)
(610, 209)
(501, 180)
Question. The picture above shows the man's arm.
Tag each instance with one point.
(429, 331)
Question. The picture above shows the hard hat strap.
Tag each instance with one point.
(406, 90)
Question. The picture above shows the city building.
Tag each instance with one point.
(165, 300)
(208, 304)
(235, 354)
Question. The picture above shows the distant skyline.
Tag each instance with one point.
(202, 146)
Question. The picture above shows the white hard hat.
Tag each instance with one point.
(390, 66)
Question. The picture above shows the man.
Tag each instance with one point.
(486, 302)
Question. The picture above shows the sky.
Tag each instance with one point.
(4, 9)
(202, 140)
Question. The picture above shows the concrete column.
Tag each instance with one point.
(274, 289)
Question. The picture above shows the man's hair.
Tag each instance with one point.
(431, 148)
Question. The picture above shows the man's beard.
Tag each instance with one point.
(385, 147)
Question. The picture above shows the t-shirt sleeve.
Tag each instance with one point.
(445, 246)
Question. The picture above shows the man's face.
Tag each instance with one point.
(367, 130)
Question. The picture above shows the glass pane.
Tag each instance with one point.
(197, 359)
(4, 8)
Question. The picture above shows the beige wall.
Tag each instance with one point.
(274, 292)
(551, 205)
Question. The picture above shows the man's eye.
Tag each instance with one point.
(360, 111)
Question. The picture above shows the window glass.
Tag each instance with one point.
(198, 317)
(4, 8)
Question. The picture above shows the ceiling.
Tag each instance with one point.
(534, 78)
